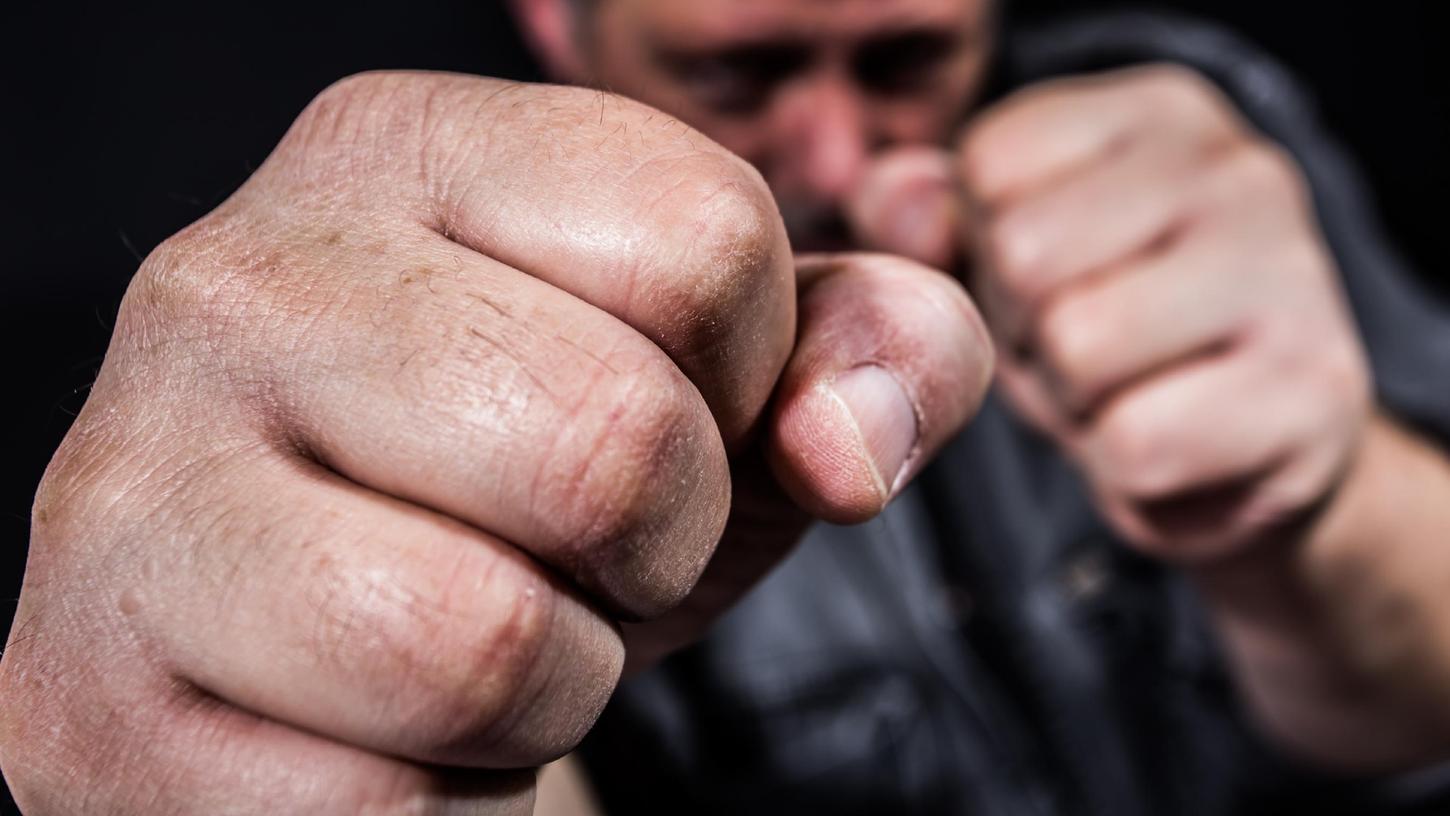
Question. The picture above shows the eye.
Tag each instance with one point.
(737, 81)
(905, 62)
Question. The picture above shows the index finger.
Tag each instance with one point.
(1055, 129)
(597, 195)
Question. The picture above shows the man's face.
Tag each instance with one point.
(806, 90)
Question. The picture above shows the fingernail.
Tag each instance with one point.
(885, 420)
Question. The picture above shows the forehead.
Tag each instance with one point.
(710, 22)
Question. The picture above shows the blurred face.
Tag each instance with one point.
(806, 90)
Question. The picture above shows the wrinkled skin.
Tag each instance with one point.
(478, 395)
(1167, 310)
(387, 449)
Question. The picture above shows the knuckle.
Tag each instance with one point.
(1176, 90)
(207, 272)
(626, 493)
(1135, 451)
(94, 474)
(1121, 443)
(1299, 260)
(1071, 338)
(976, 152)
(451, 664)
(1347, 377)
(169, 282)
(734, 247)
(471, 703)
(1263, 171)
(343, 113)
(1009, 242)
(988, 151)
(1289, 496)
(199, 299)
(1173, 79)
(57, 511)
(364, 127)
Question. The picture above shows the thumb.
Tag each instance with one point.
(907, 204)
(892, 359)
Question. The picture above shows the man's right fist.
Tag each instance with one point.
(386, 447)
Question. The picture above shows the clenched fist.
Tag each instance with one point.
(1168, 313)
(386, 449)
(1174, 317)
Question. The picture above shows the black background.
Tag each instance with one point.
(123, 124)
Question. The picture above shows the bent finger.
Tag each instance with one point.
(908, 204)
(323, 605)
(892, 360)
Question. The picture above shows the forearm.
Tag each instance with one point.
(1340, 639)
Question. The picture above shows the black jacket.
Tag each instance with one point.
(987, 647)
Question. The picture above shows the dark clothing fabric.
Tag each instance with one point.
(987, 647)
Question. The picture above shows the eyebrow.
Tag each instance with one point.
(787, 50)
(766, 53)
(929, 39)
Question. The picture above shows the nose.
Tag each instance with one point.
(827, 138)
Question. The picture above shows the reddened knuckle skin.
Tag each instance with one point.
(736, 244)
(634, 497)
(664, 519)
(719, 298)
(475, 705)
(454, 665)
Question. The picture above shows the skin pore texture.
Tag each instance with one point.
(479, 395)
(388, 472)
(1138, 251)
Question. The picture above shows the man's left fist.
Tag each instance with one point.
(1166, 307)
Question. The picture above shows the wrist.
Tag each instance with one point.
(1338, 627)
(1362, 506)
(1360, 582)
